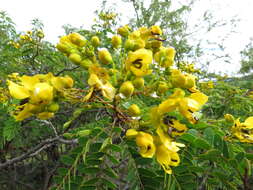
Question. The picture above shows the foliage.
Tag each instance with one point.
(247, 58)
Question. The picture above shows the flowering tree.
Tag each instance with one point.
(110, 109)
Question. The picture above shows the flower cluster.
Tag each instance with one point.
(140, 65)
(38, 94)
(146, 54)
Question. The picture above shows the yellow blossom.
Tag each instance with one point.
(165, 57)
(191, 104)
(99, 79)
(138, 62)
(145, 142)
(243, 131)
(167, 158)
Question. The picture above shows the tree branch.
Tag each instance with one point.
(37, 149)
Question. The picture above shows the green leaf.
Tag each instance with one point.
(93, 162)
(209, 135)
(89, 170)
(95, 155)
(240, 156)
(181, 169)
(67, 160)
(95, 131)
(233, 163)
(88, 188)
(146, 172)
(110, 173)
(187, 137)
(149, 181)
(114, 147)
(201, 143)
(11, 129)
(225, 150)
(249, 156)
(196, 169)
(186, 178)
(212, 154)
(57, 179)
(91, 181)
(106, 142)
(117, 130)
(218, 142)
(143, 161)
(95, 147)
(62, 171)
(108, 183)
(113, 159)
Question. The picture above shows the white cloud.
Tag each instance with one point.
(55, 13)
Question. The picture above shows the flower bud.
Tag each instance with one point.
(104, 56)
(75, 58)
(53, 107)
(162, 88)
(95, 41)
(83, 133)
(116, 41)
(86, 63)
(229, 118)
(138, 82)
(134, 110)
(123, 31)
(62, 47)
(77, 39)
(178, 80)
(127, 88)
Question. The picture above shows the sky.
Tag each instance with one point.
(56, 13)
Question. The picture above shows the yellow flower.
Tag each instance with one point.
(31, 87)
(42, 93)
(172, 102)
(144, 141)
(165, 57)
(243, 131)
(155, 30)
(146, 144)
(17, 91)
(172, 126)
(62, 83)
(191, 104)
(37, 93)
(167, 158)
(99, 79)
(138, 62)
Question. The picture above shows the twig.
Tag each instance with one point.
(66, 69)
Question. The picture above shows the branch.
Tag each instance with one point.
(37, 149)
(66, 69)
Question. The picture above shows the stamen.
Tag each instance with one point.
(137, 63)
